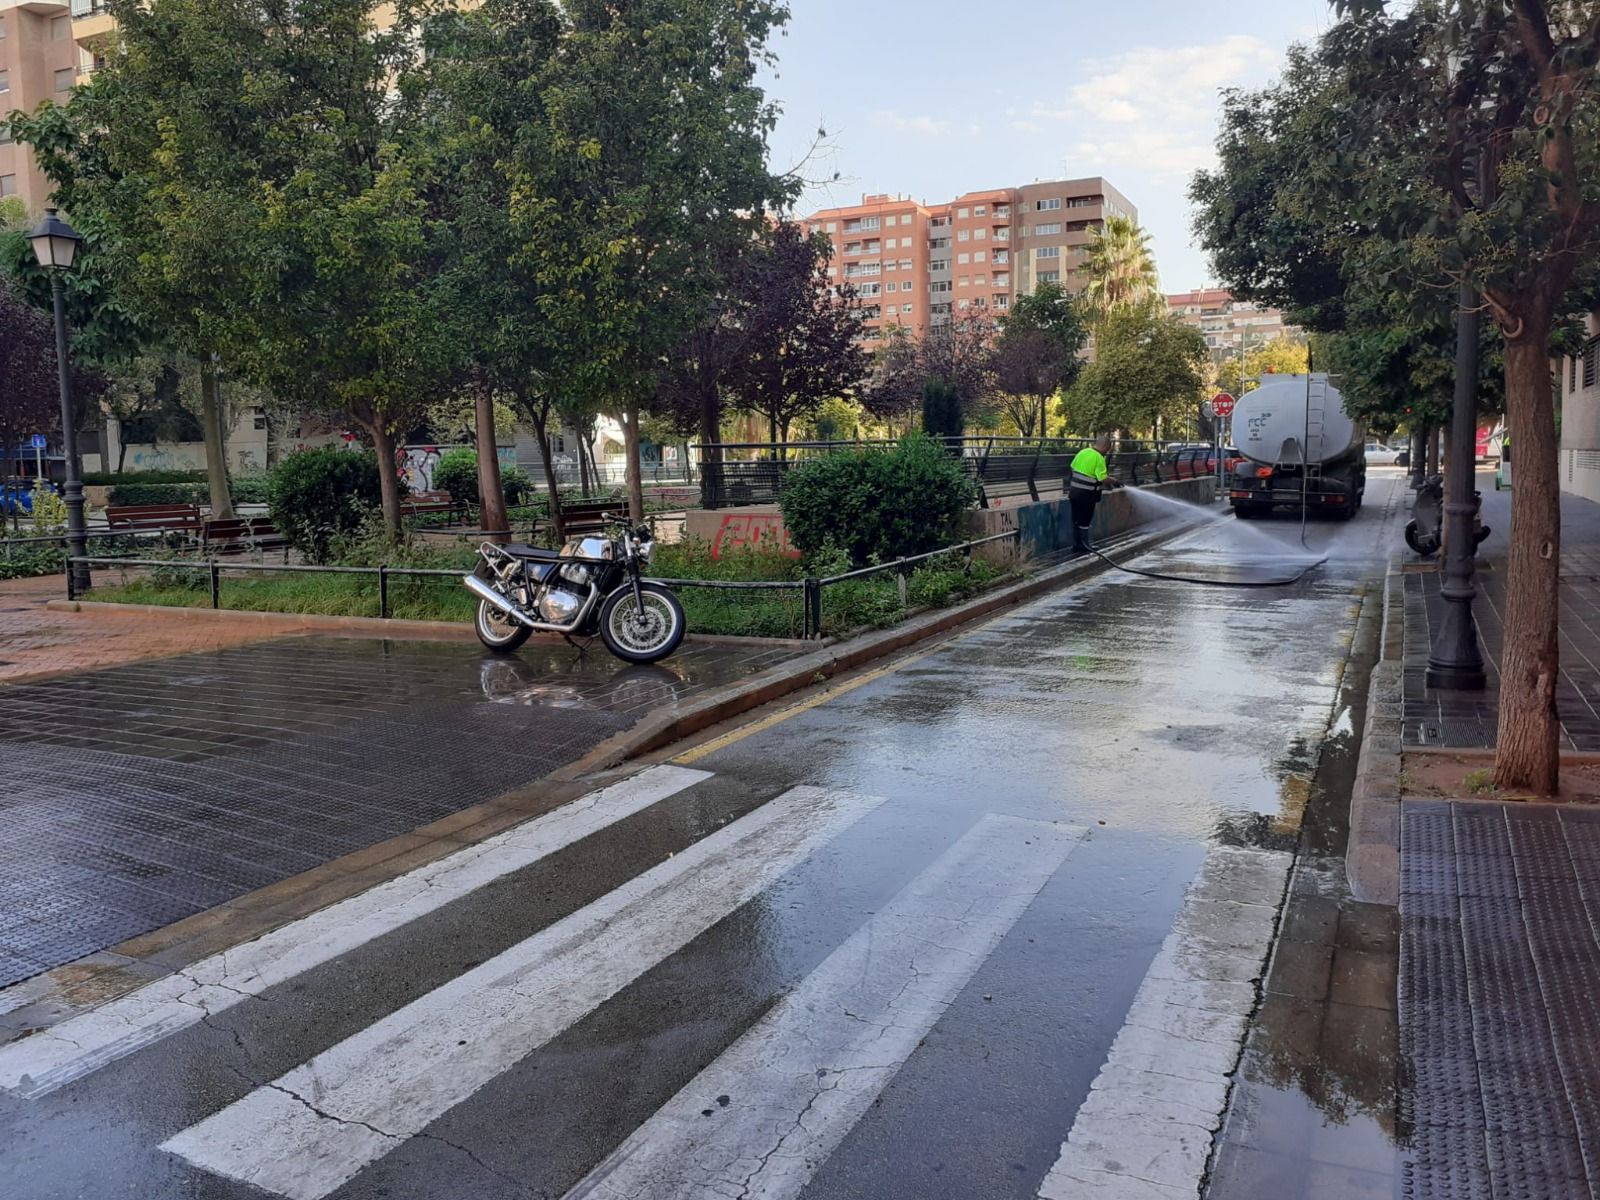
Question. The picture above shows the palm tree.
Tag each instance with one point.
(1120, 267)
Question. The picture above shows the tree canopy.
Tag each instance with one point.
(1148, 370)
(1036, 354)
(1120, 268)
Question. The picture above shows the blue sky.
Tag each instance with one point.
(1126, 89)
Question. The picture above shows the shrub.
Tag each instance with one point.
(876, 505)
(158, 493)
(250, 489)
(49, 510)
(113, 478)
(516, 484)
(317, 495)
(457, 473)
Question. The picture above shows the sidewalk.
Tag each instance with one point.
(1466, 720)
(1499, 962)
(201, 762)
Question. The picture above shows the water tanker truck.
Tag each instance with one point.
(1299, 446)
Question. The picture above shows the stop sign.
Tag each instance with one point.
(1222, 404)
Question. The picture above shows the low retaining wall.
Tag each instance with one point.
(1047, 524)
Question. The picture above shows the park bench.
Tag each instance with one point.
(242, 534)
(586, 516)
(429, 502)
(160, 518)
(1003, 475)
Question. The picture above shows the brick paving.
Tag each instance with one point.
(1468, 719)
(193, 766)
(36, 642)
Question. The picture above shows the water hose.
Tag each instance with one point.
(1238, 583)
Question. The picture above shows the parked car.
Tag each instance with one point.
(1379, 455)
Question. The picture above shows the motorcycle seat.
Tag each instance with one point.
(537, 553)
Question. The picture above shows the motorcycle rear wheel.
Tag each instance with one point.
(1427, 548)
(498, 632)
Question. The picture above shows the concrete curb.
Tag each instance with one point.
(1372, 856)
(681, 721)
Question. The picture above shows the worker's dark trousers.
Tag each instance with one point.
(1083, 503)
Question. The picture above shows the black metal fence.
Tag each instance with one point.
(741, 473)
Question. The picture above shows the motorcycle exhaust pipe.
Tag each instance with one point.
(483, 591)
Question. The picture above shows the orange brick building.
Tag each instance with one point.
(915, 264)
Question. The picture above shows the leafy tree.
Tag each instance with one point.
(1454, 148)
(802, 347)
(1148, 369)
(1036, 355)
(1120, 268)
(29, 398)
(894, 389)
(957, 355)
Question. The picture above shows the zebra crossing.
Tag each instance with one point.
(759, 1120)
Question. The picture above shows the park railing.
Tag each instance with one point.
(811, 591)
(733, 474)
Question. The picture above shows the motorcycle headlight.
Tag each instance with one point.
(647, 548)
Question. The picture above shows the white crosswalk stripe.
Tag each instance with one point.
(759, 1121)
(38, 1065)
(317, 1126)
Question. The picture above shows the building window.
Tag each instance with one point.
(981, 210)
(964, 303)
(939, 243)
(938, 222)
(1046, 205)
(1002, 301)
(962, 281)
(889, 266)
(906, 308)
(8, 185)
(980, 256)
(832, 226)
(1001, 256)
(1002, 280)
(1085, 201)
(5, 81)
(963, 258)
(1049, 276)
(939, 264)
(1047, 230)
(891, 286)
(979, 235)
(905, 264)
(979, 280)
(852, 247)
(961, 214)
(1047, 252)
(938, 286)
(1002, 235)
(5, 133)
(868, 289)
(65, 78)
(963, 235)
(1002, 210)
(1591, 363)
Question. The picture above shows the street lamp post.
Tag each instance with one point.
(1456, 662)
(55, 244)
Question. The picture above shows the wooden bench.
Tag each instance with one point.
(240, 535)
(153, 517)
(586, 516)
(429, 502)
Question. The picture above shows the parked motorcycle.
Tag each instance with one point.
(1425, 530)
(592, 585)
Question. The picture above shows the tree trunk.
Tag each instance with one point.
(710, 422)
(388, 476)
(1433, 451)
(122, 449)
(492, 515)
(541, 431)
(216, 452)
(633, 467)
(1527, 755)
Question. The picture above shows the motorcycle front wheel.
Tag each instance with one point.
(498, 632)
(1417, 543)
(642, 635)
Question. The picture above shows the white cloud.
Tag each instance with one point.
(1160, 104)
(922, 125)
(1027, 127)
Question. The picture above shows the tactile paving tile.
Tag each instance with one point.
(1529, 1167)
(1445, 1162)
(1482, 835)
(1427, 832)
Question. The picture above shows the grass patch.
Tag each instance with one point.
(427, 599)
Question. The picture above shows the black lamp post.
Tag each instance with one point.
(1456, 662)
(55, 244)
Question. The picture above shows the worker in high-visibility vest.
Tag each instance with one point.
(1089, 478)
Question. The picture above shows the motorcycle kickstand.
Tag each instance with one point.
(582, 648)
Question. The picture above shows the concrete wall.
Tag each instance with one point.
(1047, 525)
(1578, 379)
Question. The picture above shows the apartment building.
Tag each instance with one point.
(915, 264)
(38, 61)
(1226, 322)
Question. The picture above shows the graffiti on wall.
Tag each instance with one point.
(747, 531)
(416, 464)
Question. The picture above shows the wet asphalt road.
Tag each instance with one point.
(1153, 718)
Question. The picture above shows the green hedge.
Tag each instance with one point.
(112, 478)
(245, 489)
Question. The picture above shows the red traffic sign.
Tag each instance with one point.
(1222, 404)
